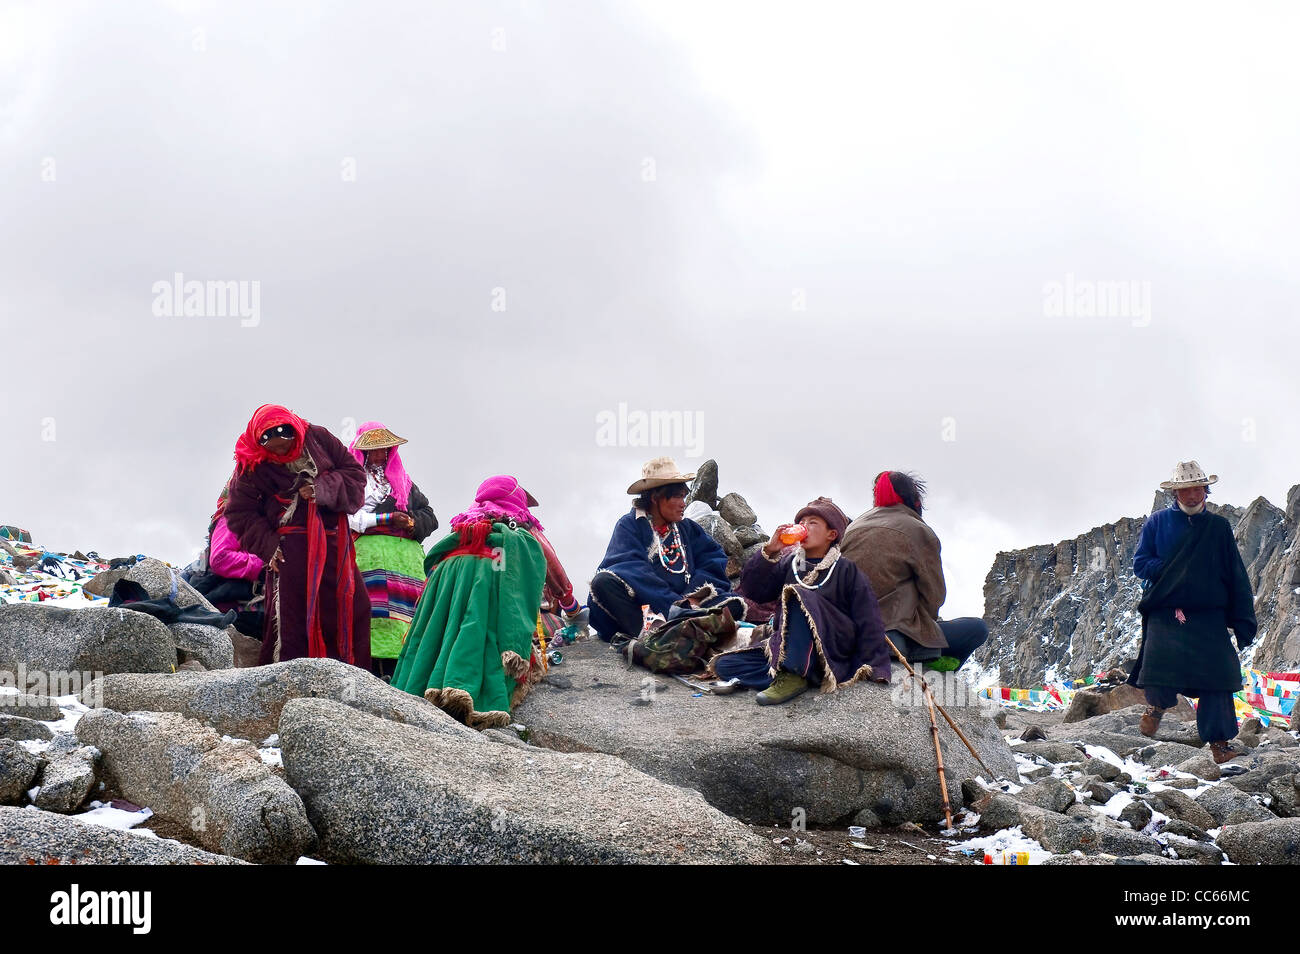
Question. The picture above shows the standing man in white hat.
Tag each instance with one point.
(1195, 590)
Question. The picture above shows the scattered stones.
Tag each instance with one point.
(1098, 790)
(1202, 766)
(1177, 805)
(381, 792)
(1283, 792)
(1137, 813)
(40, 708)
(1032, 733)
(1204, 852)
(1229, 805)
(30, 837)
(19, 728)
(66, 781)
(1262, 766)
(1275, 842)
(18, 770)
(1056, 752)
(1166, 753)
(1051, 794)
(1102, 769)
(1100, 700)
(1176, 826)
(219, 792)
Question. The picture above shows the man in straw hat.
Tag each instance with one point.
(657, 558)
(1195, 590)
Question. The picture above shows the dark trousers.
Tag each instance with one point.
(613, 597)
(964, 636)
(750, 666)
(1216, 717)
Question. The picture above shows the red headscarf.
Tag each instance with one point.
(249, 453)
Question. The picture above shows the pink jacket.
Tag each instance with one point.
(226, 559)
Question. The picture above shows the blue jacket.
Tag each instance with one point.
(628, 558)
(1161, 534)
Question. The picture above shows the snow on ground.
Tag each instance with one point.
(107, 816)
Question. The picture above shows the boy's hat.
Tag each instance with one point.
(826, 508)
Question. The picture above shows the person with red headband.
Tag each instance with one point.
(295, 485)
(899, 553)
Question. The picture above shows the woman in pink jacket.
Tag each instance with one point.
(233, 579)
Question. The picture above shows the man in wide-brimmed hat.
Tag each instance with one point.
(1195, 590)
(657, 558)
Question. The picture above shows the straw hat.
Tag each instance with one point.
(658, 473)
(377, 438)
(1188, 473)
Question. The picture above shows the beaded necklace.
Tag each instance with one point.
(796, 567)
(672, 554)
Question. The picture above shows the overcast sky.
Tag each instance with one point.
(839, 238)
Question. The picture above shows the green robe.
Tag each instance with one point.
(469, 645)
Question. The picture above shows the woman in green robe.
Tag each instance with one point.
(469, 650)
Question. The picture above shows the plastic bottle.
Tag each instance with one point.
(796, 533)
(1006, 858)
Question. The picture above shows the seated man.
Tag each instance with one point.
(657, 558)
(827, 629)
(899, 553)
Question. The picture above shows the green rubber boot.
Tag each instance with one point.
(943, 664)
(784, 687)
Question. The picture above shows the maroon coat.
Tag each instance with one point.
(258, 499)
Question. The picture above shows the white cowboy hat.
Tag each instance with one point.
(658, 473)
(1188, 473)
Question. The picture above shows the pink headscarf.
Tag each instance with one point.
(498, 497)
(394, 471)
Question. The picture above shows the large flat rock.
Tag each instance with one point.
(31, 837)
(246, 703)
(54, 639)
(379, 792)
(830, 756)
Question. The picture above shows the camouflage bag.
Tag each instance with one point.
(684, 644)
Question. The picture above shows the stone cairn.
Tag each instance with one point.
(730, 520)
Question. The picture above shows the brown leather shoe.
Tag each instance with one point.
(1150, 720)
(1223, 752)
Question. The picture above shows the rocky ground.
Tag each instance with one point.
(174, 755)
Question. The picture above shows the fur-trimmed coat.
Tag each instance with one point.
(899, 553)
(836, 599)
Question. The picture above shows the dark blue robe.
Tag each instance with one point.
(629, 559)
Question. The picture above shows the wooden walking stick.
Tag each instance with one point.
(938, 754)
(925, 687)
(934, 733)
